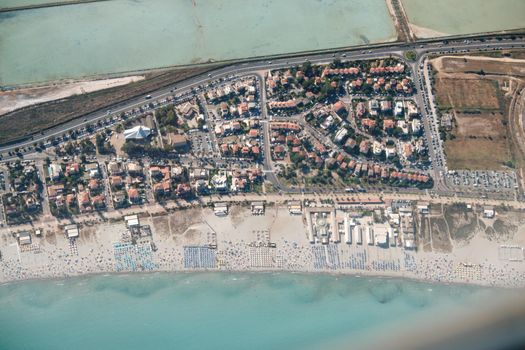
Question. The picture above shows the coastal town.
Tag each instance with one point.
(335, 127)
(314, 167)
(231, 174)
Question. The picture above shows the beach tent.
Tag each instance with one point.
(137, 133)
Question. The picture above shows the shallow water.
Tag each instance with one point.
(16, 3)
(466, 16)
(129, 35)
(215, 310)
(123, 35)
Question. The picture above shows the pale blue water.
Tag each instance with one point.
(466, 16)
(124, 35)
(215, 310)
(15, 3)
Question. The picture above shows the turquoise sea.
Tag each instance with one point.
(217, 310)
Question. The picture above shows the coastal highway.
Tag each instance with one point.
(424, 100)
(395, 49)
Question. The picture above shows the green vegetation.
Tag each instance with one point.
(410, 55)
(103, 146)
(137, 150)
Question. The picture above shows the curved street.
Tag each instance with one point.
(419, 72)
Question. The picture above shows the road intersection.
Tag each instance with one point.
(418, 68)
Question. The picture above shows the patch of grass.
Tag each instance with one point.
(462, 223)
(410, 55)
(467, 94)
(503, 229)
(440, 238)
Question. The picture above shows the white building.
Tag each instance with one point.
(54, 170)
(423, 207)
(416, 126)
(220, 182)
(412, 109)
(377, 147)
(381, 234)
(24, 238)
(295, 207)
(258, 208)
(399, 109)
(488, 212)
(390, 151)
(71, 231)
(138, 132)
(340, 135)
(132, 220)
(220, 209)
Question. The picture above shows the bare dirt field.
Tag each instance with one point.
(480, 142)
(477, 91)
(466, 93)
(476, 154)
(475, 64)
(484, 125)
(440, 236)
(518, 54)
(118, 140)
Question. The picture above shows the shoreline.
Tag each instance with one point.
(12, 100)
(425, 33)
(367, 274)
(46, 5)
(208, 63)
(181, 244)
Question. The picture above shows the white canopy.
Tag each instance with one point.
(138, 132)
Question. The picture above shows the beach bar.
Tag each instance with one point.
(24, 238)
(220, 208)
(258, 208)
(132, 220)
(72, 231)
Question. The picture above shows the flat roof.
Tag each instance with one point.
(72, 233)
(25, 240)
(133, 222)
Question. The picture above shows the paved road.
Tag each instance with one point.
(396, 49)
(254, 67)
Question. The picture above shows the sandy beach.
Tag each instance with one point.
(181, 241)
(424, 33)
(19, 98)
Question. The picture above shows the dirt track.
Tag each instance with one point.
(517, 129)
